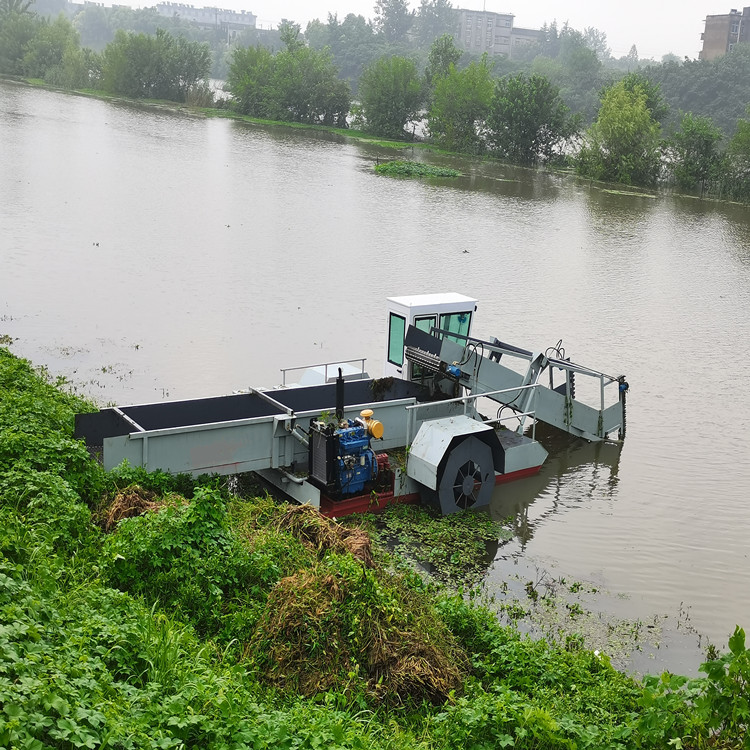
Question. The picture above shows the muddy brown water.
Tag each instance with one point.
(146, 254)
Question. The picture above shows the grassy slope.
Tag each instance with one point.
(166, 631)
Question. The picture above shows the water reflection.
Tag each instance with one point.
(575, 473)
(620, 213)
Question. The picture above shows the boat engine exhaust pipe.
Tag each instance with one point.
(339, 396)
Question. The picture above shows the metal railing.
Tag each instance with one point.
(551, 363)
(326, 365)
(411, 411)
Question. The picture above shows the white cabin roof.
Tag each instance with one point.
(434, 300)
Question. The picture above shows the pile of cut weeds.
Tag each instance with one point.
(130, 502)
(323, 535)
(348, 626)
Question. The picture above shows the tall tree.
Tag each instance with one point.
(290, 34)
(719, 89)
(156, 67)
(581, 69)
(654, 100)
(460, 106)
(670, 57)
(46, 50)
(549, 44)
(318, 34)
(596, 41)
(528, 119)
(443, 54)
(435, 18)
(17, 31)
(390, 92)
(739, 146)
(306, 86)
(250, 81)
(738, 160)
(695, 151)
(393, 19)
(623, 144)
(354, 45)
(8, 7)
(94, 24)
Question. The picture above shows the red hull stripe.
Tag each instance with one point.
(363, 503)
(520, 474)
(373, 502)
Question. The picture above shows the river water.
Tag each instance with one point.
(147, 254)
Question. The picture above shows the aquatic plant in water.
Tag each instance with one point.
(414, 169)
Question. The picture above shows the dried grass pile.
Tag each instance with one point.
(129, 502)
(341, 626)
(324, 535)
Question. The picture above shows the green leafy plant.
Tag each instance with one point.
(414, 169)
(726, 702)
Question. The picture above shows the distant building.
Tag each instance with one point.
(523, 37)
(209, 18)
(722, 32)
(482, 31)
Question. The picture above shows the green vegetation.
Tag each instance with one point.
(735, 182)
(393, 20)
(707, 88)
(696, 152)
(298, 84)
(623, 144)
(443, 55)
(153, 67)
(414, 169)
(148, 611)
(390, 92)
(133, 64)
(460, 105)
(453, 548)
(677, 124)
(528, 120)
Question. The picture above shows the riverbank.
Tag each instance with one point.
(219, 112)
(360, 136)
(143, 610)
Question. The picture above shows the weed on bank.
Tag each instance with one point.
(147, 611)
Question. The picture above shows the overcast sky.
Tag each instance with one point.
(654, 26)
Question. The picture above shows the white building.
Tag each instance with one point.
(209, 18)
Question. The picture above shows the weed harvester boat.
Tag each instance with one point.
(346, 443)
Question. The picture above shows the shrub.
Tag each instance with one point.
(48, 504)
(36, 428)
(184, 556)
(726, 703)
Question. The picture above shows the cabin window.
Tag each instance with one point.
(425, 324)
(459, 322)
(396, 333)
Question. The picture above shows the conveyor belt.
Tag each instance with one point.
(125, 420)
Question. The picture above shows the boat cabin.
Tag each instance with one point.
(449, 312)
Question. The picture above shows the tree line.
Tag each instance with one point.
(139, 65)
(628, 130)
(580, 63)
(637, 140)
(518, 117)
(297, 84)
